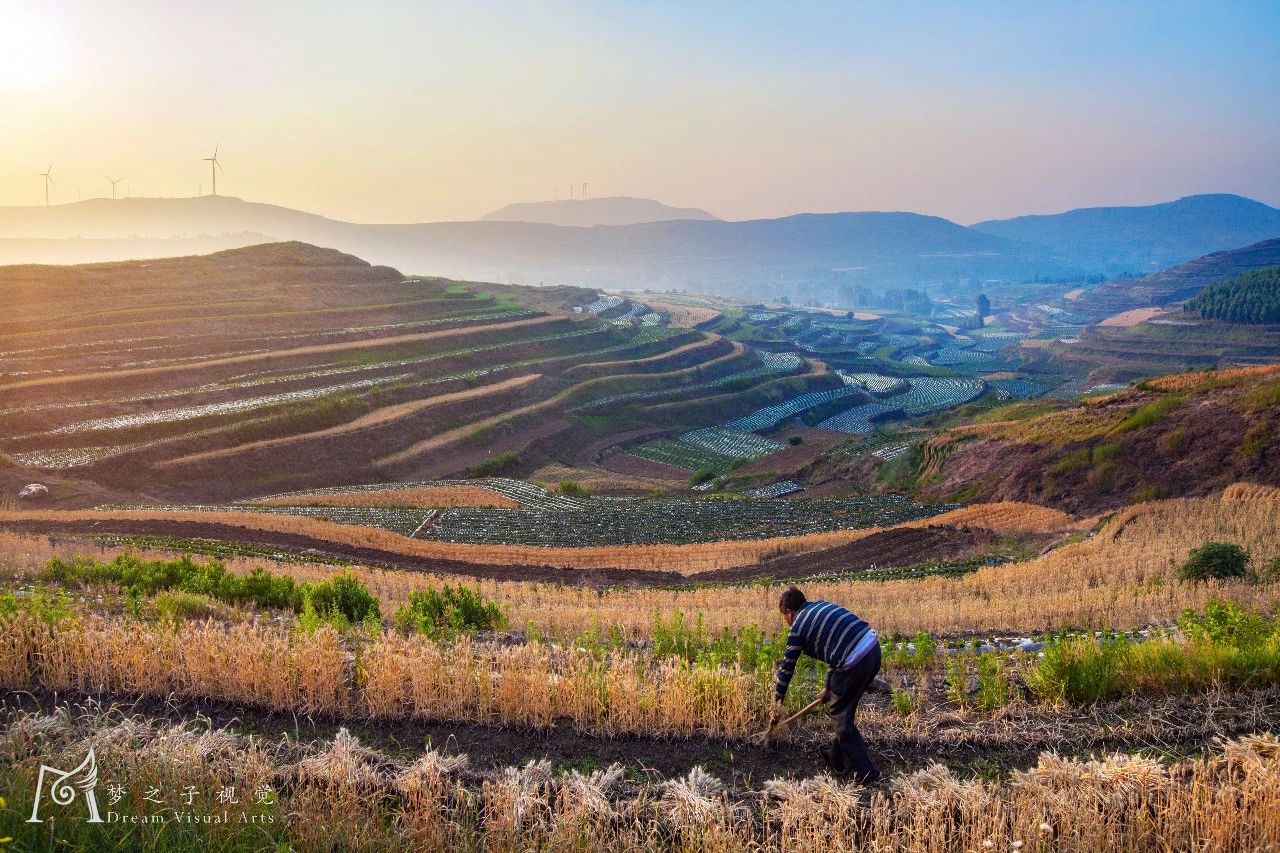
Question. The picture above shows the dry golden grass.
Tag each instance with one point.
(685, 316)
(1133, 317)
(701, 556)
(342, 346)
(1250, 492)
(428, 497)
(1191, 381)
(342, 795)
(376, 418)
(1124, 577)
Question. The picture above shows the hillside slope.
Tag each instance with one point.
(1176, 283)
(286, 366)
(1179, 435)
(1120, 240)
(584, 213)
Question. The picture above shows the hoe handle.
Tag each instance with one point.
(797, 715)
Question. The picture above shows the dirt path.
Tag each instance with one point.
(705, 341)
(315, 349)
(1170, 725)
(653, 561)
(376, 418)
(895, 547)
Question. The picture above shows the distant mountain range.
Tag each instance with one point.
(1136, 240)
(585, 213)
(812, 257)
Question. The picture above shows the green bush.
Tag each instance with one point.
(573, 489)
(449, 611)
(1226, 645)
(176, 606)
(703, 475)
(955, 675)
(1081, 669)
(795, 440)
(993, 683)
(344, 595)
(497, 464)
(920, 657)
(1270, 571)
(1216, 561)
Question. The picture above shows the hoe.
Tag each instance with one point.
(877, 685)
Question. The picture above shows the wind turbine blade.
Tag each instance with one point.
(219, 165)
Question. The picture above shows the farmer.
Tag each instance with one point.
(832, 634)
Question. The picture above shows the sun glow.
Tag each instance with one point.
(33, 50)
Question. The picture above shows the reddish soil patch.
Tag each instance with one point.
(900, 547)
(625, 463)
(791, 459)
(589, 453)
(897, 547)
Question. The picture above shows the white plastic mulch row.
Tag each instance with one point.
(859, 420)
(733, 443)
(770, 416)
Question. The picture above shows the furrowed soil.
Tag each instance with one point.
(971, 744)
(893, 547)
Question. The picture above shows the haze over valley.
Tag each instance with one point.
(651, 427)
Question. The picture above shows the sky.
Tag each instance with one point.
(388, 111)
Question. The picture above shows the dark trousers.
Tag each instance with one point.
(848, 753)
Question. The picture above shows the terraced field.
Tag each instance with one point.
(543, 520)
(284, 367)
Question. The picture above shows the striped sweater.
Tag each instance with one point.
(821, 630)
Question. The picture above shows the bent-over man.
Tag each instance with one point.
(837, 637)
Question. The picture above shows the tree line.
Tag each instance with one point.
(1251, 297)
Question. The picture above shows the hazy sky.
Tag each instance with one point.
(411, 111)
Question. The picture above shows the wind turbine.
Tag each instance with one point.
(113, 182)
(48, 179)
(214, 168)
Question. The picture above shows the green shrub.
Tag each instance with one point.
(904, 702)
(1270, 571)
(795, 440)
(176, 606)
(993, 683)
(1225, 645)
(573, 489)
(955, 676)
(1216, 561)
(1081, 669)
(344, 595)
(920, 657)
(341, 598)
(497, 464)
(449, 611)
(703, 475)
